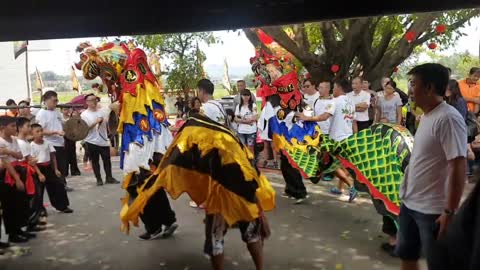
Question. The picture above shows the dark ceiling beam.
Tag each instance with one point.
(42, 19)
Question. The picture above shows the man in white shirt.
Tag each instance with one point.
(211, 108)
(241, 85)
(361, 99)
(97, 140)
(343, 125)
(215, 224)
(323, 105)
(434, 180)
(310, 93)
(51, 121)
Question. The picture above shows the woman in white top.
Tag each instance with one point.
(246, 117)
(389, 107)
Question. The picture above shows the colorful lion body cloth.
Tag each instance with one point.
(207, 161)
(376, 157)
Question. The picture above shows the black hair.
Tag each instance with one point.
(246, 92)
(358, 77)
(35, 125)
(11, 102)
(192, 101)
(474, 70)
(455, 90)
(21, 121)
(345, 85)
(89, 95)
(206, 85)
(432, 74)
(449, 70)
(7, 120)
(240, 81)
(393, 83)
(314, 83)
(230, 113)
(24, 102)
(49, 94)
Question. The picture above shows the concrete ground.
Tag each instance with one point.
(324, 233)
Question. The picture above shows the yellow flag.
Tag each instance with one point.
(38, 80)
(75, 83)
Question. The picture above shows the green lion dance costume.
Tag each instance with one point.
(376, 157)
(205, 159)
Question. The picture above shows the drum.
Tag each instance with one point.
(75, 129)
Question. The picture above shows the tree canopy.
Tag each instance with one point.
(184, 54)
(372, 47)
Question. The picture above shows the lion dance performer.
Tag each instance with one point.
(208, 161)
(376, 157)
(142, 123)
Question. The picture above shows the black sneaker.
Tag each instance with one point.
(4, 245)
(169, 230)
(99, 182)
(145, 236)
(15, 238)
(157, 234)
(27, 235)
(36, 228)
(111, 180)
(76, 173)
(68, 189)
(390, 249)
(67, 210)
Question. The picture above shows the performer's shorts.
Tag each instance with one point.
(248, 139)
(216, 228)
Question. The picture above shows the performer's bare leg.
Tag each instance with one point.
(217, 262)
(409, 265)
(344, 177)
(256, 251)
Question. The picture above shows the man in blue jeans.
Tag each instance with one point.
(435, 177)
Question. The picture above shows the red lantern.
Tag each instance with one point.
(410, 36)
(335, 68)
(264, 38)
(432, 46)
(441, 28)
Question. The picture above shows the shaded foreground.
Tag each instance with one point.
(324, 233)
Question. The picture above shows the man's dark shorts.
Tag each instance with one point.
(417, 232)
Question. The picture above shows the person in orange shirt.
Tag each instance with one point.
(470, 89)
(11, 112)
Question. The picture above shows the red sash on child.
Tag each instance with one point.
(29, 185)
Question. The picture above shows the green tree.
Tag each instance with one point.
(372, 47)
(183, 52)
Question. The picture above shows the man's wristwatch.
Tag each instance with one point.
(449, 212)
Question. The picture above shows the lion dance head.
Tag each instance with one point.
(125, 72)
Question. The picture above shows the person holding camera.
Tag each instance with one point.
(97, 140)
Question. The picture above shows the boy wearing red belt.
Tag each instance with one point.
(44, 153)
(35, 180)
(12, 189)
